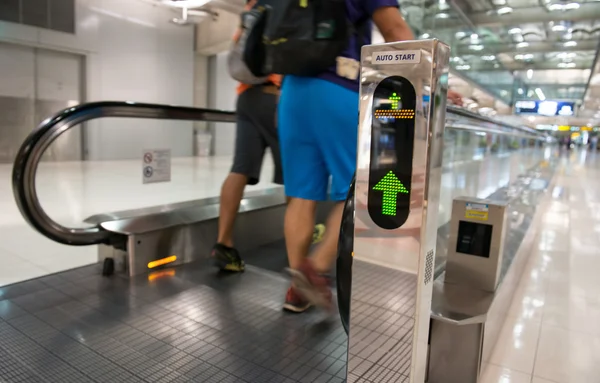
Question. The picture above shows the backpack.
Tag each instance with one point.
(246, 56)
(305, 37)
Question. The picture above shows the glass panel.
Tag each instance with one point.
(477, 164)
(35, 13)
(9, 10)
(58, 86)
(17, 90)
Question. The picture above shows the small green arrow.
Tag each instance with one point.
(390, 185)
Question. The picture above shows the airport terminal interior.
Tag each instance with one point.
(117, 130)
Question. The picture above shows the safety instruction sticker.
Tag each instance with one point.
(477, 211)
(397, 57)
(156, 166)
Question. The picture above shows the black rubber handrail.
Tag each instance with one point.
(345, 258)
(31, 151)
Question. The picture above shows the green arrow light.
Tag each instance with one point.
(390, 185)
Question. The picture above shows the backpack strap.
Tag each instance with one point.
(359, 31)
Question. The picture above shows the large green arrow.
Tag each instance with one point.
(390, 185)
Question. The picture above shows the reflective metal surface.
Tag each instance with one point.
(466, 321)
(32, 150)
(407, 252)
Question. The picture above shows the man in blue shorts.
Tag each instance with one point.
(318, 127)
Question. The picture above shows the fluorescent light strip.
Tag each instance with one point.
(540, 94)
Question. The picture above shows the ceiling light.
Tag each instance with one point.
(460, 35)
(488, 58)
(425, 36)
(566, 55)
(476, 47)
(442, 15)
(570, 44)
(564, 7)
(456, 59)
(499, 2)
(566, 65)
(463, 67)
(504, 10)
(540, 94)
(559, 28)
(527, 56)
(514, 31)
(186, 3)
(569, 6)
(520, 90)
(530, 73)
(524, 44)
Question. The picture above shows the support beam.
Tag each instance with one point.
(587, 12)
(534, 47)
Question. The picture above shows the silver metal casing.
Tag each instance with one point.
(483, 271)
(392, 270)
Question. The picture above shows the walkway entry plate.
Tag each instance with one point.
(402, 117)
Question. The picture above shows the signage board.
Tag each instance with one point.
(545, 108)
(156, 166)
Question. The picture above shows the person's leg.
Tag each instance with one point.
(305, 175)
(232, 192)
(337, 140)
(298, 228)
(249, 151)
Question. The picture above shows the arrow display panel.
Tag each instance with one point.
(392, 141)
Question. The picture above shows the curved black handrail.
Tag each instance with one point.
(345, 258)
(31, 151)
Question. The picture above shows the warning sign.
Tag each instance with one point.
(156, 166)
(477, 211)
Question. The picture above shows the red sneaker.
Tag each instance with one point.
(312, 286)
(294, 302)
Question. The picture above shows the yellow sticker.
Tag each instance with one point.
(478, 215)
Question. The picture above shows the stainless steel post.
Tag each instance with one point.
(402, 116)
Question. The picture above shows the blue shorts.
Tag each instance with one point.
(318, 127)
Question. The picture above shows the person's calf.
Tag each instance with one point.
(299, 228)
(325, 254)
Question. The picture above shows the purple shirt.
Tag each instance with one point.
(357, 10)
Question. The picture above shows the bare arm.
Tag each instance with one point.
(391, 24)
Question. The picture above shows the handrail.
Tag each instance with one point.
(454, 110)
(34, 146)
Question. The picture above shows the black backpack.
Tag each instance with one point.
(304, 37)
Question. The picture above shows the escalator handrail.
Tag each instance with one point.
(454, 110)
(31, 151)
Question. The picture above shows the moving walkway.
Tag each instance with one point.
(187, 323)
(165, 316)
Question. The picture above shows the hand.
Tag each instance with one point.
(455, 98)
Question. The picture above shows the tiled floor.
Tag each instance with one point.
(553, 333)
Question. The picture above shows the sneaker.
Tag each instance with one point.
(227, 258)
(318, 233)
(312, 286)
(294, 302)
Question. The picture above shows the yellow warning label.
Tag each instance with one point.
(478, 215)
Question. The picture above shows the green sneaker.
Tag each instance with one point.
(318, 233)
(227, 258)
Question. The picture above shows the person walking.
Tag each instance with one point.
(318, 122)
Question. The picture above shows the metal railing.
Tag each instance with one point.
(30, 154)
